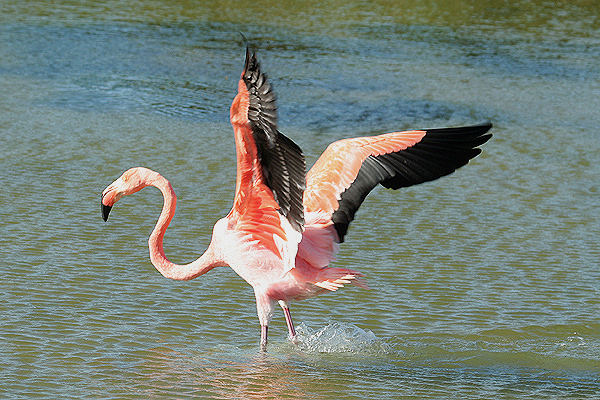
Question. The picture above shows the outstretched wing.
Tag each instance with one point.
(282, 161)
(349, 169)
(271, 168)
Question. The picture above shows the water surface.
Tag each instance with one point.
(485, 284)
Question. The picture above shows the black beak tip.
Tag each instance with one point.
(105, 211)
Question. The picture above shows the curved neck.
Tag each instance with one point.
(202, 265)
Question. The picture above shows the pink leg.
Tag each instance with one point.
(290, 324)
(263, 337)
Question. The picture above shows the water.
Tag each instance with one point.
(485, 284)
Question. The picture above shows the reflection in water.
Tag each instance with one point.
(245, 376)
(286, 370)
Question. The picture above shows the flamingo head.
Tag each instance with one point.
(132, 180)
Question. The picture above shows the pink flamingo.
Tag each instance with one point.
(285, 226)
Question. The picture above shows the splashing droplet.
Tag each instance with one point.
(339, 338)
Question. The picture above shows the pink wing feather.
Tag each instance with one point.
(349, 169)
(271, 169)
(339, 165)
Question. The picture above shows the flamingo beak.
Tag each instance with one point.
(105, 209)
(110, 196)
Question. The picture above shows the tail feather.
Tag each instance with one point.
(333, 279)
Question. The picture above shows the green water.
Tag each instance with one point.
(485, 284)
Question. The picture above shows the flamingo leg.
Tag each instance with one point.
(290, 324)
(263, 337)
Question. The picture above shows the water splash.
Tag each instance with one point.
(574, 340)
(339, 338)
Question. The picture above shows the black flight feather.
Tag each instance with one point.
(439, 153)
(282, 161)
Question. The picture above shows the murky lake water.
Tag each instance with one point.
(485, 284)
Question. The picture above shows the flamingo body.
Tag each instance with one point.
(286, 225)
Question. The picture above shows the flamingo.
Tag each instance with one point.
(286, 225)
